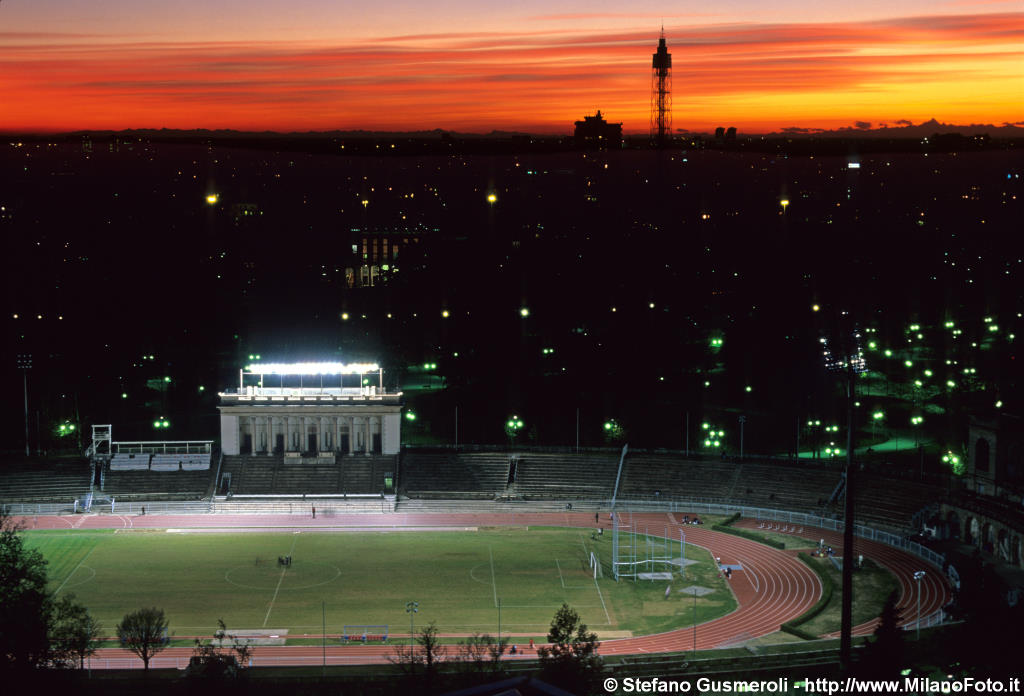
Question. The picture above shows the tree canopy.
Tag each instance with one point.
(36, 629)
(144, 632)
(571, 659)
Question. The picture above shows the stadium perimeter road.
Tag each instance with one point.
(773, 587)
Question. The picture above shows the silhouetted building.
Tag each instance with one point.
(594, 131)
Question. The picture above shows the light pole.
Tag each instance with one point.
(411, 608)
(695, 622)
(743, 419)
(682, 551)
(25, 364)
(919, 576)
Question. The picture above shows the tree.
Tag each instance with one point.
(26, 608)
(481, 653)
(75, 633)
(144, 632)
(571, 660)
(427, 655)
(209, 661)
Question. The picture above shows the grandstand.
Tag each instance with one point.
(445, 474)
(44, 481)
(280, 475)
(673, 475)
(587, 476)
(157, 484)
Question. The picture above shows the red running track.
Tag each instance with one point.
(773, 587)
(935, 591)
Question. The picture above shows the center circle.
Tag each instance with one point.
(267, 575)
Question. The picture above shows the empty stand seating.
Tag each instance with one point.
(170, 483)
(278, 475)
(184, 462)
(565, 475)
(130, 462)
(45, 481)
(448, 474)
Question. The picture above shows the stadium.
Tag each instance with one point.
(312, 532)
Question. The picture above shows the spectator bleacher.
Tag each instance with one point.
(673, 475)
(164, 484)
(278, 475)
(130, 462)
(184, 462)
(565, 475)
(784, 485)
(427, 474)
(891, 502)
(44, 481)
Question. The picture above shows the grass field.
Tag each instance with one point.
(872, 585)
(458, 578)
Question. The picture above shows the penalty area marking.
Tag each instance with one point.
(561, 579)
(279, 581)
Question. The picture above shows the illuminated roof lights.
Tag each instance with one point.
(312, 368)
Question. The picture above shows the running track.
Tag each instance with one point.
(773, 587)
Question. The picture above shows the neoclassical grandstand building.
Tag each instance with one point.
(321, 409)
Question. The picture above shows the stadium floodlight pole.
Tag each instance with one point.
(919, 576)
(25, 364)
(411, 608)
(743, 419)
(695, 622)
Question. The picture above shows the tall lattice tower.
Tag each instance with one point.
(661, 93)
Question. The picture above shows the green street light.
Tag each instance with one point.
(524, 312)
(410, 415)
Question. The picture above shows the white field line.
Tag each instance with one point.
(57, 592)
(562, 578)
(279, 581)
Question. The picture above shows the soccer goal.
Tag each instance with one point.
(595, 565)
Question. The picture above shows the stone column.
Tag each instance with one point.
(351, 435)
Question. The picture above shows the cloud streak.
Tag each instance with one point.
(747, 74)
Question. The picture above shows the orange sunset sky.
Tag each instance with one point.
(528, 66)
